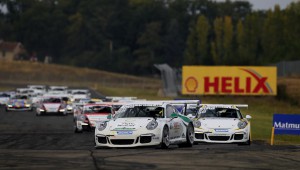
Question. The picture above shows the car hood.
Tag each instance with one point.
(97, 116)
(213, 123)
(128, 123)
(51, 105)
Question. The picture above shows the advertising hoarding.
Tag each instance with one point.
(229, 80)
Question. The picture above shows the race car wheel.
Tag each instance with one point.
(189, 137)
(77, 130)
(165, 142)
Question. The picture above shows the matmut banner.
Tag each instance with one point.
(229, 80)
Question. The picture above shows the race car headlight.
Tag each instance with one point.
(101, 126)
(9, 105)
(152, 125)
(242, 124)
(27, 105)
(69, 107)
(197, 124)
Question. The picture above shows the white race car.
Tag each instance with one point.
(148, 123)
(51, 105)
(90, 113)
(220, 123)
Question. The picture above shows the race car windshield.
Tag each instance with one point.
(79, 92)
(142, 111)
(220, 113)
(52, 100)
(98, 109)
(192, 111)
(20, 97)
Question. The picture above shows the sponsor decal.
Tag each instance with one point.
(176, 125)
(221, 130)
(126, 124)
(119, 129)
(286, 124)
(216, 80)
(124, 132)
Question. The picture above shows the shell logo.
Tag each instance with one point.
(191, 84)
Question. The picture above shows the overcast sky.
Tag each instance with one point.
(267, 4)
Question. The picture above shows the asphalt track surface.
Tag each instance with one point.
(49, 142)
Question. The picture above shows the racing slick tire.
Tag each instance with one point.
(189, 137)
(76, 130)
(165, 141)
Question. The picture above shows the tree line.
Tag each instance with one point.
(130, 36)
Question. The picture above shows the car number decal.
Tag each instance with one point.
(221, 130)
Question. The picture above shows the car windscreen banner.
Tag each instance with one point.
(229, 80)
(286, 124)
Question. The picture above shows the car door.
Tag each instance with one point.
(176, 124)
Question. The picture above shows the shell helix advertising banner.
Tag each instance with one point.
(229, 80)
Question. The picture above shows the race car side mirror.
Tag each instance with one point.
(248, 117)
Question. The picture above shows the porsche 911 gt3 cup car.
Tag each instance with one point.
(219, 123)
(18, 102)
(51, 105)
(148, 123)
(86, 121)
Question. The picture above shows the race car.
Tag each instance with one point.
(86, 121)
(145, 123)
(18, 103)
(4, 98)
(51, 105)
(220, 123)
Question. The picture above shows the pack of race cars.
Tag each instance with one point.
(131, 122)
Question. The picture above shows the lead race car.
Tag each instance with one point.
(221, 123)
(146, 123)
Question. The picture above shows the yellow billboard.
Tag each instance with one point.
(229, 80)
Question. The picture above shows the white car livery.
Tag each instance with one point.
(220, 123)
(155, 123)
(86, 120)
(51, 105)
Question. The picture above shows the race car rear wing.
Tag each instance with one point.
(181, 102)
(226, 105)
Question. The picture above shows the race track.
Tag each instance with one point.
(48, 142)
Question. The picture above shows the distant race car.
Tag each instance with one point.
(4, 98)
(51, 105)
(18, 103)
(86, 121)
(220, 123)
(145, 123)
